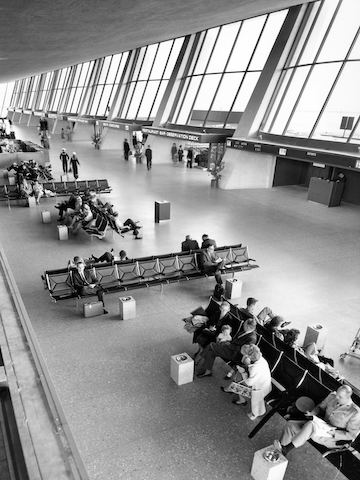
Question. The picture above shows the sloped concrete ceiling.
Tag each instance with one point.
(37, 36)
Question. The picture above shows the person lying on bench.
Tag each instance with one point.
(85, 282)
(229, 351)
(109, 257)
(335, 419)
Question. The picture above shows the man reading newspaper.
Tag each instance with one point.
(335, 418)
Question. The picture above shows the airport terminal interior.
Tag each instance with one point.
(243, 123)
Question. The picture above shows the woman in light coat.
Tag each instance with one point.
(259, 379)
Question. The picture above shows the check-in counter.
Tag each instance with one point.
(327, 192)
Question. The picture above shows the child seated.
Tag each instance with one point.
(225, 335)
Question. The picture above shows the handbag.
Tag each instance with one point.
(240, 389)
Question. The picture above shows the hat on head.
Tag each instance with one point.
(63, 149)
(74, 153)
(304, 404)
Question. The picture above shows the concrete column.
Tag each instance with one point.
(255, 110)
(251, 169)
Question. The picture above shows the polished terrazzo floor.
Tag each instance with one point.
(129, 419)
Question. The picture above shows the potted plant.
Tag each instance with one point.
(215, 170)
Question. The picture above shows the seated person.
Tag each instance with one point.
(225, 334)
(83, 218)
(312, 353)
(25, 188)
(274, 326)
(74, 203)
(85, 282)
(189, 244)
(290, 338)
(206, 241)
(249, 312)
(212, 263)
(339, 420)
(38, 191)
(207, 332)
(229, 351)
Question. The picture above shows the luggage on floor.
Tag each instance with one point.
(92, 309)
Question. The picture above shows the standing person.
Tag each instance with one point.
(64, 157)
(68, 133)
(126, 149)
(180, 153)
(148, 155)
(134, 140)
(174, 152)
(74, 162)
(190, 156)
(62, 134)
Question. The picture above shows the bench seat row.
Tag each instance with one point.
(147, 271)
(12, 192)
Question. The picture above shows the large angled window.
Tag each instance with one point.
(105, 84)
(75, 91)
(225, 67)
(44, 91)
(61, 84)
(143, 91)
(6, 95)
(317, 94)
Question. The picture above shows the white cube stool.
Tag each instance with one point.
(182, 368)
(316, 334)
(262, 469)
(11, 179)
(63, 232)
(31, 202)
(46, 216)
(233, 288)
(127, 308)
(64, 178)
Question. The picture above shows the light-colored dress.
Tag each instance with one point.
(260, 381)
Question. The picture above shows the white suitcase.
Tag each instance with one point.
(46, 216)
(63, 232)
(93, 309)
(31, 202)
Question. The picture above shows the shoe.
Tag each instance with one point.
(223, 390)
(201, 375)
(284, 324)
(105, 312)
(278, 446)
(236, 402)
(252, 416)
(228, 376)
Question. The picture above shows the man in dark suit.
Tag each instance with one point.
(85, 282)
(212, 263)
(206, 241)
(229, 351)
(189, 244)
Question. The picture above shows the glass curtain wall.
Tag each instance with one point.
(59, 87)
(75, 90)
(44, 91)
(317, 95)
(224, 70)
(103, 89)
(149, 77)
(6, 93)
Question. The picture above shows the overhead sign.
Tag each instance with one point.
(82, 120)
(196, 137)
(343, 160)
